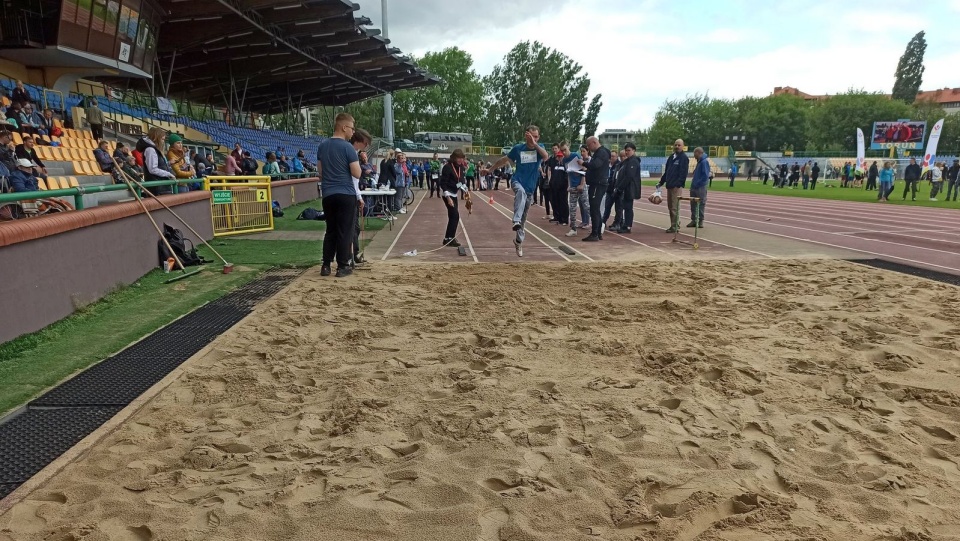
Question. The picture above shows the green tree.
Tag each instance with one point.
(665, 130)
(834, 122)
(535, 85)
(910, 70)
(704, 120)
(775, 122)
(593, 111)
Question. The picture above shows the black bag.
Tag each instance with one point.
(311, 214)
(175, 237)
(276, 210)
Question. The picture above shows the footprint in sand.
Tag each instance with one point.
(141, 533)
(942, 460)
(490, 523)
(436, 395)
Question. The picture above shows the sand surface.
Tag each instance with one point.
(720, 400)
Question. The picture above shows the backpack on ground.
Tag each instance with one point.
(178, 242)
(311, 214)
(277, 211)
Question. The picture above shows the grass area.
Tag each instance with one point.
(833, 192)
(289, 222)
(32, 363)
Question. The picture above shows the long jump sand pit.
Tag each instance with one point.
(711, 400)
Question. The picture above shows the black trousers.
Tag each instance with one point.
(434, 186)
(914, 184)
(341, 211)
(97, 130)
(546, 194)
(608, 205)
(453, 217)
(596, 194)
(561, 206)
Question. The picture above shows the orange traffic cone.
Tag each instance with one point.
(491, 199)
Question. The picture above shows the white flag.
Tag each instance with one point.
(932, 145)
(861, 152)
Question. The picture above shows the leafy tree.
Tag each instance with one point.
(835, 121)
(665, 130)
(593, 111)
(535, 85)
(776, 122)
(910, 70)
(704, 120)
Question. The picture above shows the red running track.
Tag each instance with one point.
(921, 236)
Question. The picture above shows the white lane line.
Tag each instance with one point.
(531, 233)
(402, 229)
(544, 231)
(469, 244)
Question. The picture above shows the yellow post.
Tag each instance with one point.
(240, 204)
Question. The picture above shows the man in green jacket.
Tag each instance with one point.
(435, 175)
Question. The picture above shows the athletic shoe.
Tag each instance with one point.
(451, 243)
(325, 270)
(692, 224)
(403, 211)
(572, 233)
(585, 226)
(602, 228)
(517, 226)
(343, 272)
(591, 238)
(671, 230)
(623, 231)
(519, 248)
(933, 198)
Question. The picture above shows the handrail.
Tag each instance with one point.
(78, 192)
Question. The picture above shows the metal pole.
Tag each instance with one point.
(387, 98)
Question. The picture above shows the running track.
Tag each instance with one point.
(921, 236)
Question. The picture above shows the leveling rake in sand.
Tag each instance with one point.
(131, 182)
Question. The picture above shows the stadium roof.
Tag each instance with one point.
(279, 54)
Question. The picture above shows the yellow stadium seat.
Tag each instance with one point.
(41, 184)
(52, 183)
(78, 168)
(42, 152)
(45, 138)
(73, 182)
(86, 134)
(56, 154)
(57, 123)
(17, 139)
(95, 168)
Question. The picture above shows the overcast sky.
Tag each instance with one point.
(639, 53)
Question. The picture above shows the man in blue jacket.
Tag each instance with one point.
(698, 188)
(675, 177)
(22, 178)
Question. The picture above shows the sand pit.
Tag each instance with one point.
(721, 400)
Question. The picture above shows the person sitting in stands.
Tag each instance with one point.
(121, 153)
(26, 151)
(155, 164)
(231, 167)
(296, 165)
(270, 168)
(8, 123)
(102, 154)
(20, 94)
(8, 155)
(47, 125)
(132, 170)
(177, 159)
(30, 121)
(248, 165)
(22, 178)
(309, 166)
(283, 165)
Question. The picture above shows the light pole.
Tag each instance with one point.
(387, 98)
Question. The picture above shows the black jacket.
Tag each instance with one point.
(953, 173)
(815, 171)
(24, 154)
(873, 173)
(450, 176)
(912, 172)
(675, 172)
(598, 168)
(557, 172)
(628, 177)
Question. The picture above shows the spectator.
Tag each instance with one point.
(248, 165)
(237, 152)
(337, 164)
(597, 179)
(26, 151)
(628, 188)
(231, 167)
(953, 176)
(886, 181)
(201, 166)
(296, 165)
(283, 165)
(177, 158)
(94, 118)
(121, 153)
(872, 175)
(912, 176)
(138, 156)
(22, 178)
(270, 168)
(675, 178)
(451, 184)
(360, 140)
(102, 154)
(387, 171)
(30, 121)
(698, 188)
(20, 94)
(574, 189)
(936, 180)
(8, 123)
(47, 126)
(155, 164)
(814, 175)
(403, 182)
(8, 156)
(132, 170)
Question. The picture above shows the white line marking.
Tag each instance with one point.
(402, 229)
(469, 244)
(531, 224)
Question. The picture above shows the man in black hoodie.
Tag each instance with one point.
(675, 178)
(953, 176)
(627, 188)
(598, 169)
(912, 176)
(872, 175)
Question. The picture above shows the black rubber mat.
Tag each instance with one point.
(919, 272)
(60, 418)
(33, 439)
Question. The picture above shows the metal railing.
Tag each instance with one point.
(78, 192)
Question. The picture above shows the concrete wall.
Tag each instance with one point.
(294, 191)
(49, 266)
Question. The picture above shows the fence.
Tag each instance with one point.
(240, 204)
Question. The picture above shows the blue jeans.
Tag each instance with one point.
(521, 204)
(696, 210)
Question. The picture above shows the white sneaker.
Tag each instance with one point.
(933, 198)
(572, 233)
(603, 227)
(519, 248)
(403, 211)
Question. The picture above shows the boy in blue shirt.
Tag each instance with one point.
(526, 158)
(576, 190)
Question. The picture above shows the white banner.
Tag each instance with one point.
(861, 151)
(932, 144)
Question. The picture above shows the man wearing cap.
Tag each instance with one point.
(22, 178)
(8, 156)
(953, 176)
(27, 151)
